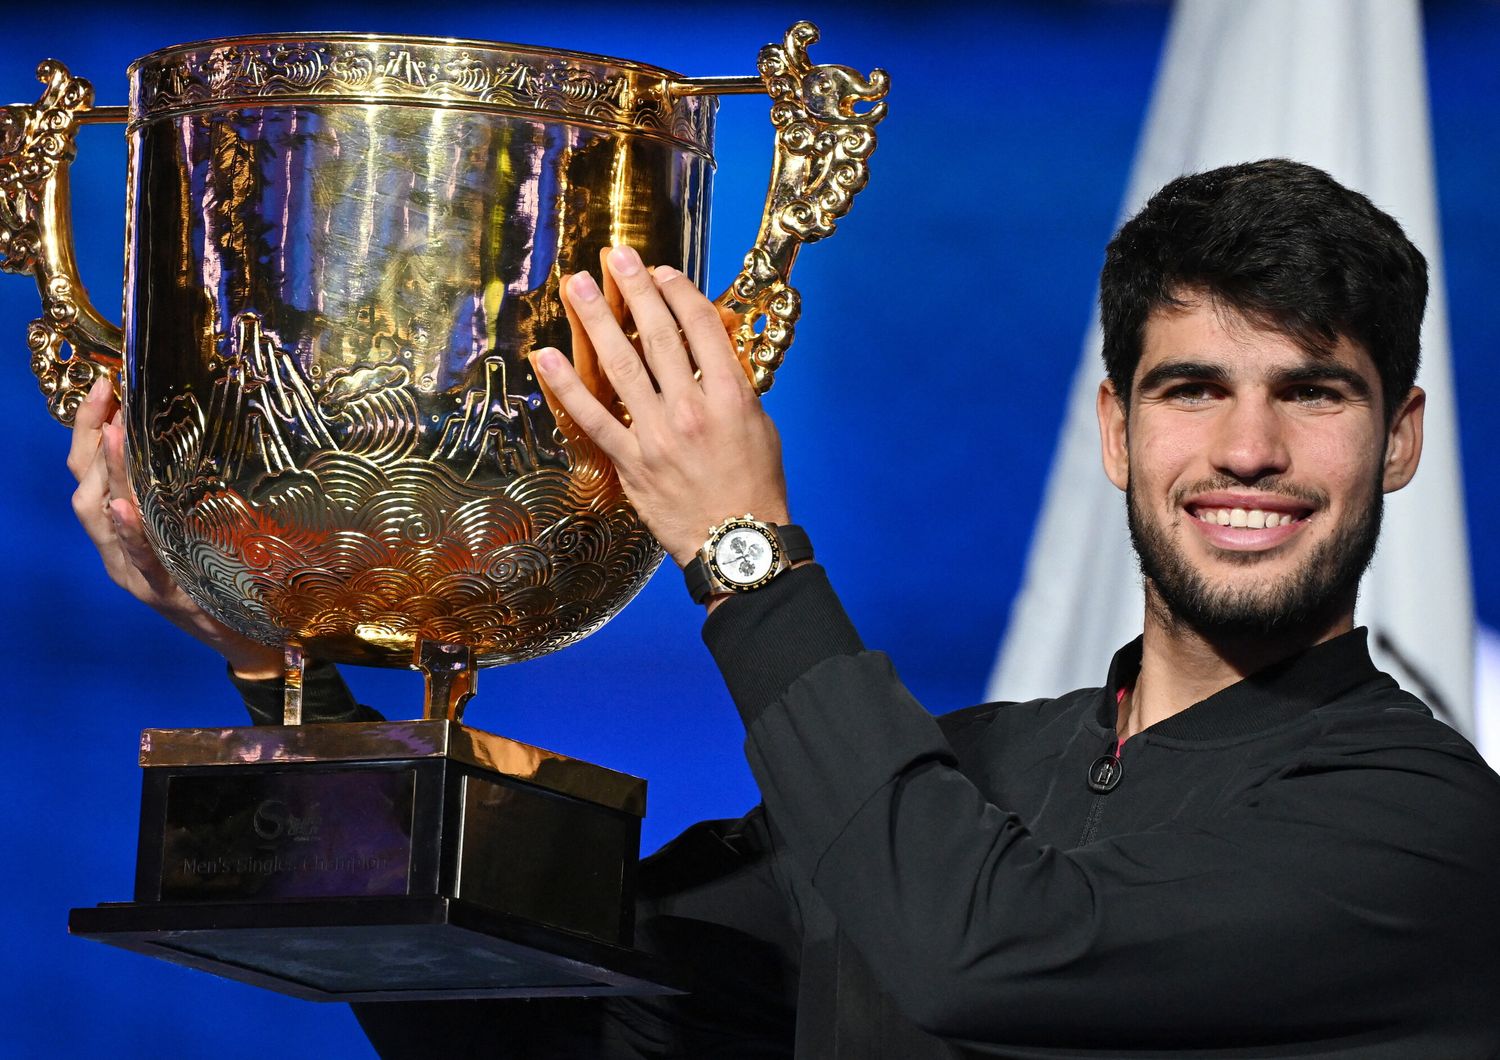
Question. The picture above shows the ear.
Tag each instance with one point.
(1114, 441)
(1403, 442)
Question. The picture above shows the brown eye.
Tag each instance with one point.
(1315, 395)
(1190, 393)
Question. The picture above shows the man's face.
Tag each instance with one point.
(1253, 470)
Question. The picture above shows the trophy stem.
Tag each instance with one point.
(449, 679)
(291, 696)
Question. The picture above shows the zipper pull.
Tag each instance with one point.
(1105, 774)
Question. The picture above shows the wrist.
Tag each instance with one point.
(692, 541)
(712, 603)
(252, 660)
(743, 554)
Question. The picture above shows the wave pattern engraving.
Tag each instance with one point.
(333, 532)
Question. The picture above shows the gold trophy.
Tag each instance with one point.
(340, 249)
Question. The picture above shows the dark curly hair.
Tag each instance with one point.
(1284, 244)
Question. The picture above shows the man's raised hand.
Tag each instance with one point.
(698, 448)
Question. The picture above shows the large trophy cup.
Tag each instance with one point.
(340, 250)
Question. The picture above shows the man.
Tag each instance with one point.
(1248, 842)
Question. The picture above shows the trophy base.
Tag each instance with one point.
(375, 949)
(384, 861)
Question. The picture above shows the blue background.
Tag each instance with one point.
(919, 410)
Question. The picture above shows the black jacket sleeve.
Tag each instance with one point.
(1351, 894)
(325, 697)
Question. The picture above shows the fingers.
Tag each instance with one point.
(591, 416)
(124, 511)
(117, 478)
(706, 329)
(92, 414)
(612, 293)
(677, 326)
(661, 340)
(617, 356)
(130, 533)
(585, 359)
(106, 509)
(90, 505)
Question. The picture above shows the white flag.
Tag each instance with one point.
(1339, 84)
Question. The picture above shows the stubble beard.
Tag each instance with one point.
(1323, 585)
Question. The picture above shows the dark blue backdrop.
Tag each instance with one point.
(920, 405)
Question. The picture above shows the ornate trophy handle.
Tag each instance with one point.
(36, 236)
(821, 162)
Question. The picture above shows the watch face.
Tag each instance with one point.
(744, 556)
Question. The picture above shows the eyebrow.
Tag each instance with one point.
(1204, 372)
(1324, 373)
(1172, 371)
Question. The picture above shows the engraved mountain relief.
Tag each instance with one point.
(368, 526)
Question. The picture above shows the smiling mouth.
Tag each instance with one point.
(1249, 518)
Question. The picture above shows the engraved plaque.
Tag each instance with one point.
(305, 834)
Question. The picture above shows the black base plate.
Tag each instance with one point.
(375, 949)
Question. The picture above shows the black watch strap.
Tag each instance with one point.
(796, 542)
(795, 546)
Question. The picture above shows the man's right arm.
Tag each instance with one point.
(1349, 892)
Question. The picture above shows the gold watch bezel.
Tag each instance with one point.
(709, 553)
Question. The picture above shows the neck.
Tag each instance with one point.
(1181, 665)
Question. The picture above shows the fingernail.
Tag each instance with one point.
(547, 360)
(624, 261)
(583, 287)
(664, 273)
(99, 389)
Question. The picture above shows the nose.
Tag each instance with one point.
(1250, 440)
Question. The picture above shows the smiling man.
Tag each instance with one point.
(1262, 335)
(1247, 842)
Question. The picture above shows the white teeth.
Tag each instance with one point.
(1250, 518)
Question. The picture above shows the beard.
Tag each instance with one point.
(1325, 582)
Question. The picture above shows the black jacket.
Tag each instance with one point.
(1303, 865)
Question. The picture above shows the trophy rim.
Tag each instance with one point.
(550, 84)
(356, 36)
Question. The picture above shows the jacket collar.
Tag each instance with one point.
(1279, 693)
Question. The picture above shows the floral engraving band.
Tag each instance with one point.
(606, 93)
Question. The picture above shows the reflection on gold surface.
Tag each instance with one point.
(392, 741)
(341, 250)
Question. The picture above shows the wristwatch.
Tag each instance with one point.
(743, 554)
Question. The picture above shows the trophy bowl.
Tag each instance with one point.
(340, 249)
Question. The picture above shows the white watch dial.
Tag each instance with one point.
(743, 556)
